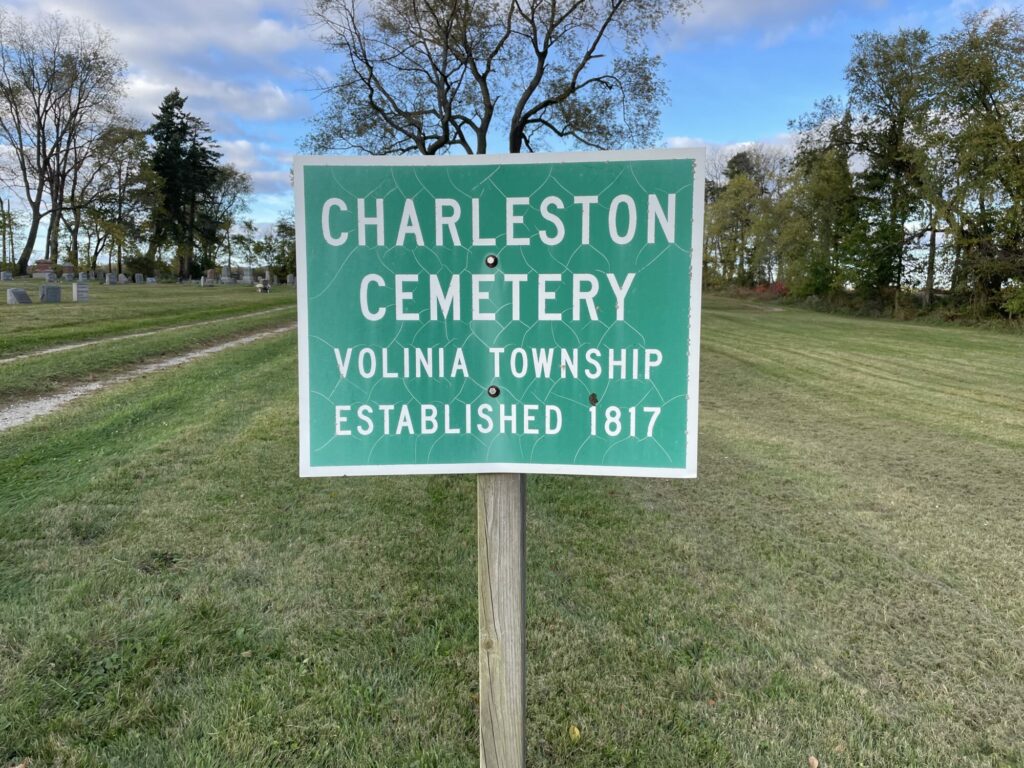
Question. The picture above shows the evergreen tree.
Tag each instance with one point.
(184, 160)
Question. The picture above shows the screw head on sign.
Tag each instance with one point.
(493, 391)
(491, 261)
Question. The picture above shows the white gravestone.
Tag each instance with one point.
(80, 292)
(18, 296)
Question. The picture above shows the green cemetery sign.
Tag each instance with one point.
(521, 313)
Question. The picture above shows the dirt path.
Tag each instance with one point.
(26, 410)
(139, 334)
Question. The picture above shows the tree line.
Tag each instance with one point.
(906, 191)
(94, 183)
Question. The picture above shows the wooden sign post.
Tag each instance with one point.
(501, 597)
(500, 315)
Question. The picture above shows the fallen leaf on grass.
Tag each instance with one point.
(812, 762)
(574, 734)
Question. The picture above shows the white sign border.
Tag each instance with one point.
(697, 154)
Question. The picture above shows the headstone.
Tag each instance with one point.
(6, 276)
(42, 266)
(49, 294)
(246, 278)
(18, 296)
(92, 274)
(211, 274)
(122, 279)
(111, 278)
(67, 277)
(290, 279)
(202, 281)
(139, 278)
(80, 292)
(101, 275)
(51, 277)
(227, 281)
(83, 276)
(150, 280)
(266, 275)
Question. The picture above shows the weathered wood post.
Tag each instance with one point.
(501, 583)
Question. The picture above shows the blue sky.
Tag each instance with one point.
(737, 70)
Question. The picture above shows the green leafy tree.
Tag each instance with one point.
(889, 78)
(979, 90)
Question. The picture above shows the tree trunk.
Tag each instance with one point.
(75, 229)
(30, 242)
(929, 281)
(4, 219)
(53, 235)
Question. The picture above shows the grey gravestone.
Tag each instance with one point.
(150, 280)
(139, 278)
(6, 276)
(227, 281)
(83, 276)
(122, 278)
(18, 296)
(49, 294)
(67, 277)
(80, 292)
(92, 275)
(202, 281)
(291, 279)
(111, 278)
(51, 277)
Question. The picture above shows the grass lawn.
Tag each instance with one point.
(122, 309)
(845, 579)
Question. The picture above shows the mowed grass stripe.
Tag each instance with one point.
(124, 309)
(46, 374)
(933, 352)
(950, 413)
(830, 585)
(79, 344)
(960, 402)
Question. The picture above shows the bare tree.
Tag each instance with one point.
(60, 82)
(429, 76)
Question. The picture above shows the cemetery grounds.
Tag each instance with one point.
(843, 581)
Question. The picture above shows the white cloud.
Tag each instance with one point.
(241, 64)
(718, 154)
(776, 21)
